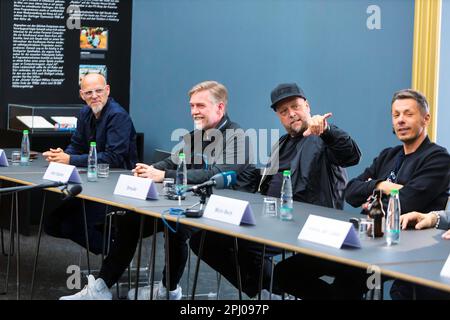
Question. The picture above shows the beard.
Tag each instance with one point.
(297, 130)
(198, 125)
(410, 139)
(97, 110)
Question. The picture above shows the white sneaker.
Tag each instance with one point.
(266, 295)
(94, 290)
(159, 293)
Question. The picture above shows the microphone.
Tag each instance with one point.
(72, 192)
(223, 180)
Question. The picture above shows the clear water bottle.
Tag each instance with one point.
(181, 177)
(393, 219)
(92, 163)
(286, 201)
(25, 149)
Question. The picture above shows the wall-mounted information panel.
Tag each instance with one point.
(48, 45)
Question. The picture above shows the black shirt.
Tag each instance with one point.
(287, 153)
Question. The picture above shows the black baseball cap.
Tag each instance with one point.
(283, 91)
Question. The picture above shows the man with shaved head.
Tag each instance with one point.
(104, 121)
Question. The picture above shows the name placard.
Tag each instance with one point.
(445, 272)
(329, 232)
(62, 172)
(229, 210)
(136, 187)
(3, 159)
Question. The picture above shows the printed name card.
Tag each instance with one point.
(445, 272)
(60, 172)
(229, 210)
(3, 159)
(136, 187)
(329, 232)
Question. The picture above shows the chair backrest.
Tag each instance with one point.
(10, 139)
(140, 146)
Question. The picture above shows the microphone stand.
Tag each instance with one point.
(203, 193)
(15, 216)
(38, 186)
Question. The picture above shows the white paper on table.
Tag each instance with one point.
(329, 232)
(61, 172)
(3, 159)
(229, 210)
(136, 187)
(66, 120)
(445, 272)
(35, 122)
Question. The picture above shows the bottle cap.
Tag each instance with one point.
(394, 192)
(25, 131)
(286, 173)
(181, 155)
(93, 144)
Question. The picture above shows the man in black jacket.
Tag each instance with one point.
(415, 168)
(418, 168)
(217, 145)
(315, 152)
(104, 121)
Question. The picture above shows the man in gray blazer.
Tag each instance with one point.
(418, 220)
(402, 290)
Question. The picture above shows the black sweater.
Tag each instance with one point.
(424, 174)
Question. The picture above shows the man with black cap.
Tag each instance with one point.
(315, 152)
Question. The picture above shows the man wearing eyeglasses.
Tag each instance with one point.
(104, 121)
(216, 145)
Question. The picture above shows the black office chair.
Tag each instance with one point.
(159, 155)
(140, 146)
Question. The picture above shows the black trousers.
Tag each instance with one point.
(300, 274)
(402, 290)
(124, 246)
(218, 253)
(67, 222)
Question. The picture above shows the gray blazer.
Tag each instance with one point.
(444, 222)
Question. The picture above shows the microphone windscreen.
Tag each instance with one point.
(75, 190)
(225, 179)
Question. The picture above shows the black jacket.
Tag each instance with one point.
(424, 174)
(113, 132)
(223, 148)
(317, 170)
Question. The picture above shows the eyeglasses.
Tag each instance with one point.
(90, 93)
